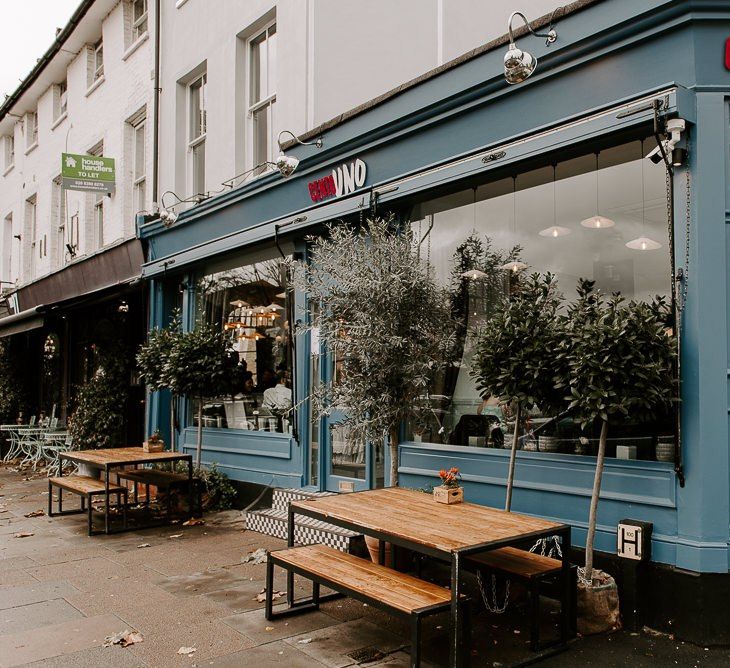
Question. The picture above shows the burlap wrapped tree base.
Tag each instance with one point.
(598, 606)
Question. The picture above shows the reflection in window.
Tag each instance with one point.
(250, 304)
(607, 224)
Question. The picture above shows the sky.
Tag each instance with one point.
(27, 29)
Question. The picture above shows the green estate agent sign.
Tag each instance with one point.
(89, 173)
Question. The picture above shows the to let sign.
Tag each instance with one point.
(88, 173)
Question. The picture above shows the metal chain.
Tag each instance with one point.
(688, 225)
(553, 548)
(493, 608)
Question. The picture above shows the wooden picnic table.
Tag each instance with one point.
(107, 459)
(448, 532)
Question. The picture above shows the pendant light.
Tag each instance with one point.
(597, 222)
(643, 243)
(555, 230)
(514, 265)
(474, 274)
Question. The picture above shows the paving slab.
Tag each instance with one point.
(332, 645)
(34, 615)
(11, 597)
(211, 639)
(108, 657)
(270, 655)
(17, 649)
(255, 626)
(198, 583)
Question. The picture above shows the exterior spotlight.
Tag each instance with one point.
(519, 64)
(287, 164)
(168, 217)
(679, 155)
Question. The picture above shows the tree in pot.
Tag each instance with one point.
(196, 366)
(383, 317)
(620, 359)
(515, 359)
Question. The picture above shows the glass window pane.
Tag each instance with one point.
(260, 136)
(249, 303)
(271, 70)
(139, 151)
(545, 225)
(199, 168)
(258, 69)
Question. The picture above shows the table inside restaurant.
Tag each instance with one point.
(107, 459)
(448, 532)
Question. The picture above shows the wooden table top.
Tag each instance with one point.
(121, 456)
(414, 516)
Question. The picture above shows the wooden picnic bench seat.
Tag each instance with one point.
(348, 575)
(535, 570)
(86, 487)
(163, 480)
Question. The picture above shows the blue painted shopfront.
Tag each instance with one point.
(594, 86)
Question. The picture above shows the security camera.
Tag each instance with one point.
(656, 154)
(674, 129)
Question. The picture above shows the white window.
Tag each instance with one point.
(61, 100)
(98, 61)
(59, 207)
(198, 120)
(31, 225)
(9, 151)
(99, 218)
(73, 235)
(139, 19)
(262, 96)
(140, 162)
(7, 267)
(31, 129)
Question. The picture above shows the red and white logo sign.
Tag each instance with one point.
(344, 180)
(727, 54)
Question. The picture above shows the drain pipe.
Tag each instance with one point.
(156, 116)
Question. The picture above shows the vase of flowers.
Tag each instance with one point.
(450, 490)
(154, 443)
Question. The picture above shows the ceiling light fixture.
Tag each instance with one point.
(287, 164)
(597, 222)
(555, 231)
(643, 243)
(518, 64)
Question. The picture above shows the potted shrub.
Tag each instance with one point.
(515, 358)
(620, 361)
(382, 316)
(154, 443)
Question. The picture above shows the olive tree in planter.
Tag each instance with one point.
(383, 317)
(516, 360)
(193, 364)
(620, 360)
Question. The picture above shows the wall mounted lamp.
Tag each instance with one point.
(287, 164)
(519, 64)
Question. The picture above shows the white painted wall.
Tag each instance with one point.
(333, 55)
(93, 115)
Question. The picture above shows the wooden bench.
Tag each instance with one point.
(395, 592)
(535, 570)
(87, 488)
(163, 480)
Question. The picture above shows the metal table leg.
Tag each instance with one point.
(565, 583)
(458, 654)
(290, 543)
(106, 499)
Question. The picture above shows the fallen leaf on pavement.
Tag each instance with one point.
(193, 522)
(187, 650)
(261, 596)
(24, 534)
(123, 638)
(256, 557)
(304, 641)
(143, 545)
(269, 628)
(175, 535)
(35, 513)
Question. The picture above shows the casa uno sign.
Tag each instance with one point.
(344, 180)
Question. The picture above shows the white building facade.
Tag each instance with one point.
(92, 96)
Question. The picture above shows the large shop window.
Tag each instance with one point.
(250, 303)
(599, 216)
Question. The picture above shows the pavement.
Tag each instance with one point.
(192, 601)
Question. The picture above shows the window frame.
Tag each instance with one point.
(266, 102)
(9, 152)
(32, 132)
(97, 62)
(139, 181)
(196, 144)
(142, 20)
(62, 109)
